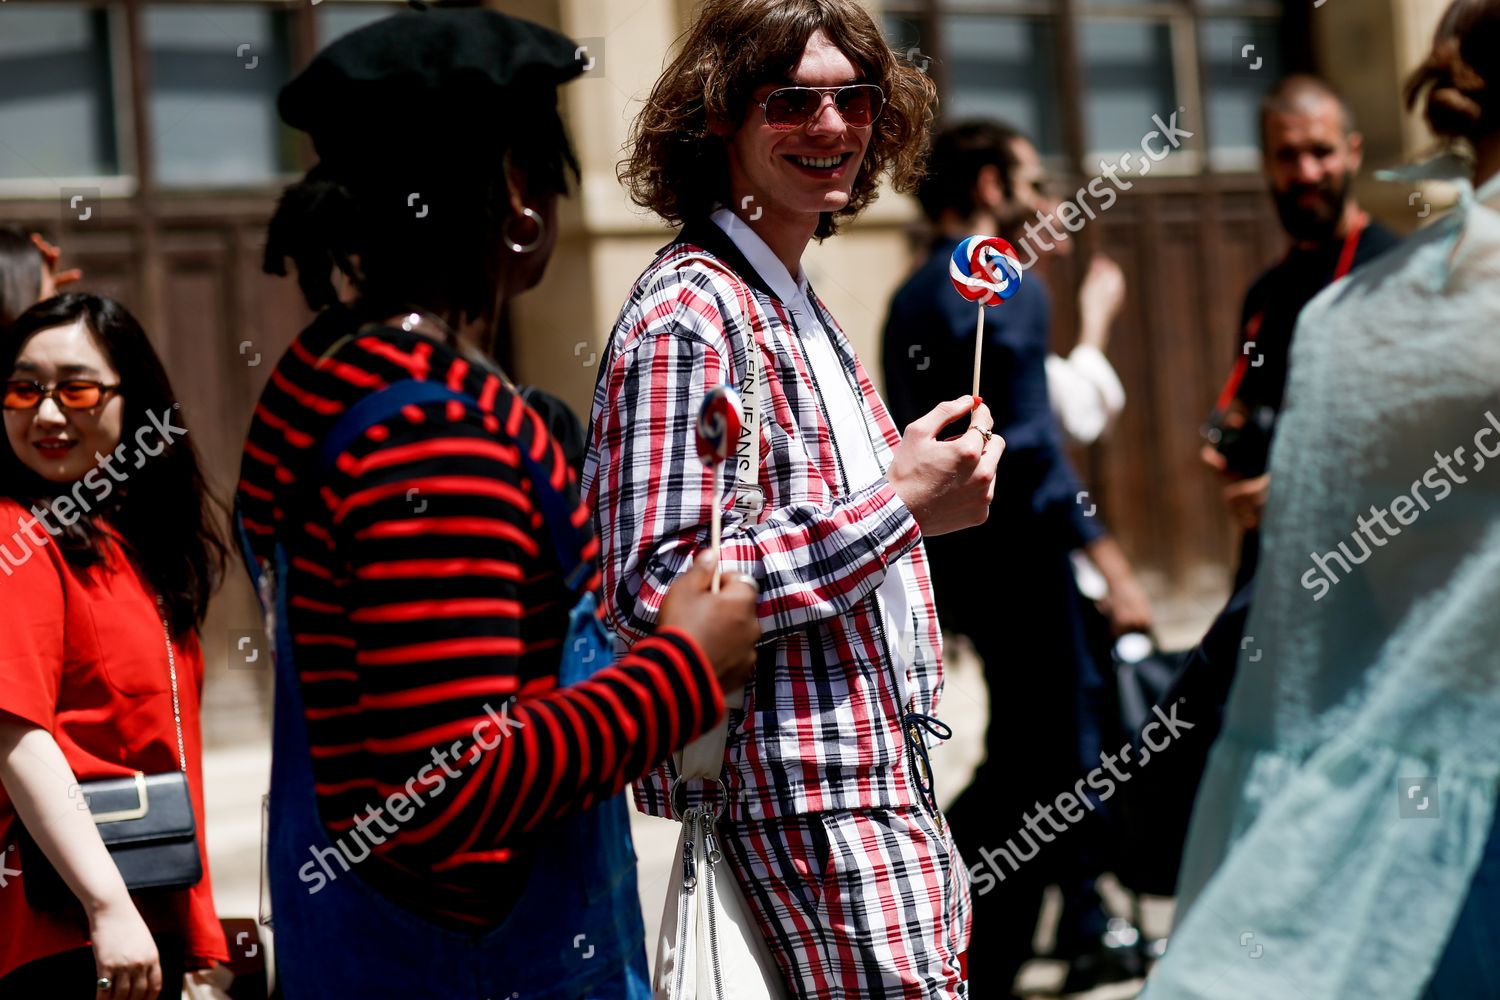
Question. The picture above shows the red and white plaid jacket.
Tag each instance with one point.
(821, 725)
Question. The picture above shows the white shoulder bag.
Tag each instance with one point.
(710, 946)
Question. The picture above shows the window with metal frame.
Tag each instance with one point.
(1104, 71)
(57, 95)
(215, 72)
(336, 18)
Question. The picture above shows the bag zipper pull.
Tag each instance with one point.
(689, 869)
(710, 843)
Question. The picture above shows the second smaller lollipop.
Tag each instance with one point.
(719, 422)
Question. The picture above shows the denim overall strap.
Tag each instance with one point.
(385, 404)
(575, 932)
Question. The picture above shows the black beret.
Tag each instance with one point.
(423, 68)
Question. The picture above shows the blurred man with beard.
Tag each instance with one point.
(1311, 155)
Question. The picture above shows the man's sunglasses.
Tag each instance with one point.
(792, 107)
(72, 394)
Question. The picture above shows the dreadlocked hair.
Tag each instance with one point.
(420, 226)
(315, 227)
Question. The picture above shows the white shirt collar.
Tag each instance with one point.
(764, 260)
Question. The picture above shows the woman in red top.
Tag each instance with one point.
(106, 549)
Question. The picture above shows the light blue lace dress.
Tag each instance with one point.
(1348, 802)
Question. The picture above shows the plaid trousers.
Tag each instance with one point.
(858, 904)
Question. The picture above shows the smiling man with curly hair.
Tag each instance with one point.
(772, 125)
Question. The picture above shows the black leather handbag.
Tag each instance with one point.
(1156, 808)
(146, 821)
(1151, 813)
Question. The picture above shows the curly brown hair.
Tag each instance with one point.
(1461, 76)
(677, 167)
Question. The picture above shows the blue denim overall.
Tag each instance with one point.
(576, 930)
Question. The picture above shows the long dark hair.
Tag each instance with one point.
(20, 273)
(163, 511)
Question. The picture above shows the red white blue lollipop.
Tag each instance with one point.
(720, 420)
(985, 269)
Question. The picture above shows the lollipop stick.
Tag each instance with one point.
(978, 347)
(718, 523)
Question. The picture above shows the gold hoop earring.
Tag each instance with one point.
(541, 231)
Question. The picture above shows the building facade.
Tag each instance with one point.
(142, 137)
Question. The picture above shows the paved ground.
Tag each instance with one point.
(236, 777)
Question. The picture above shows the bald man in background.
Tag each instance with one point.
(1311, 156)
(1312, 153)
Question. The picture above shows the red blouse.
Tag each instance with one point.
(82, 654)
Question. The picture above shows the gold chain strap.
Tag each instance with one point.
(166, 631)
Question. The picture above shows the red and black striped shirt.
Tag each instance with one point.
(423, 590)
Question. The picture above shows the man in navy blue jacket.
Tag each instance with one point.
(1008, 584)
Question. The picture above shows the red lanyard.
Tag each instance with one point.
(1252, 326)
